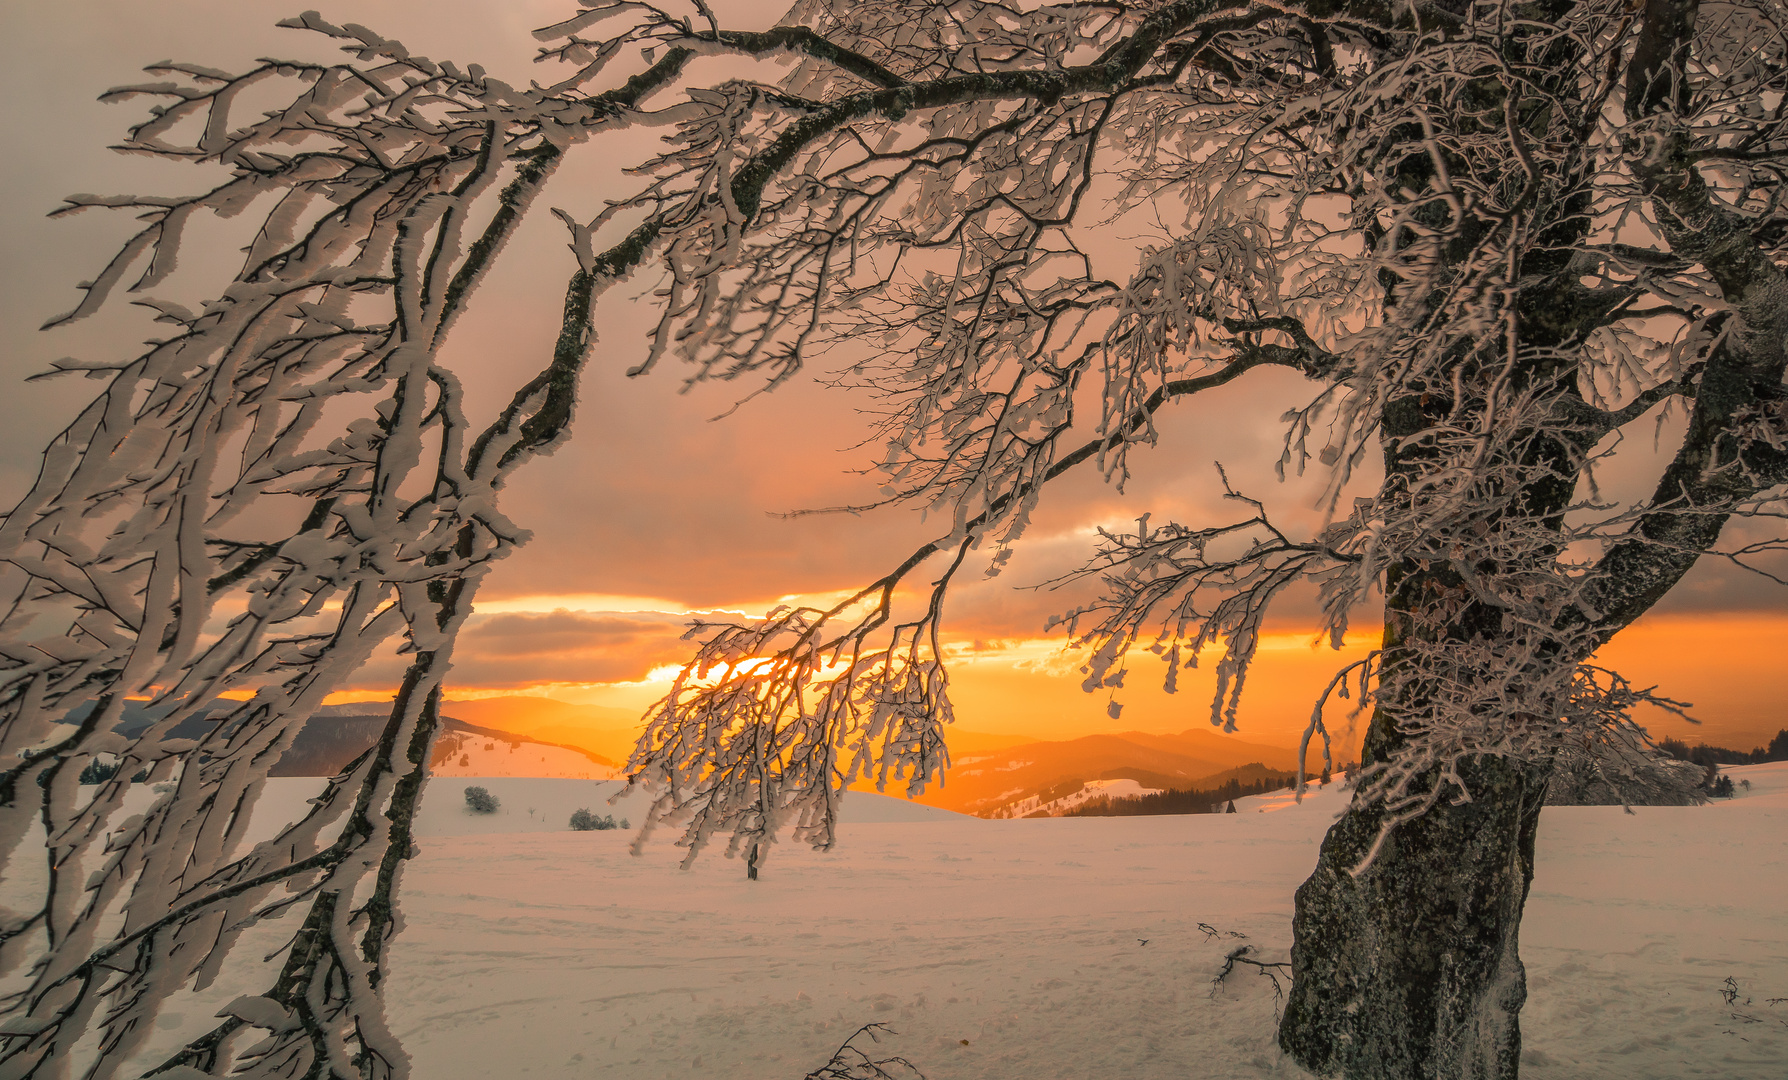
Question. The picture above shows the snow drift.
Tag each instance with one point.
(1056, 949)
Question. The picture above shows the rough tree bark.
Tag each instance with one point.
(1406, 956)
(1412, 968)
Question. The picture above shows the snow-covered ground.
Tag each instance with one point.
(1039, 950)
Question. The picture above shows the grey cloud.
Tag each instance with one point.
(520, 649)
(522, 634)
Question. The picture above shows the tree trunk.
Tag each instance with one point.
(1411, 969)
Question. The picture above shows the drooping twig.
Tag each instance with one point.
(851, 1062)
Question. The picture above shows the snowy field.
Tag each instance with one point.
(1053, 949)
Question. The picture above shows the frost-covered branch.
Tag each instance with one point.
(1489, 242)
(1439, 217)
(1190, 589)
(203, 540)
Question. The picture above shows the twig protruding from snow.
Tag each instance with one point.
(1239, 955)
(850, 1063)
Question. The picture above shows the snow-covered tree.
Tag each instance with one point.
(1491, 235)
(245, 513)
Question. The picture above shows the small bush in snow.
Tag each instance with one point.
(584, 821)
(480, 801)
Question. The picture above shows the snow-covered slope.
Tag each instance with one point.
(465, 753)
(1094, 789)
(1329, 797)
(329, 741)
(1058, 949)
(1765, 782)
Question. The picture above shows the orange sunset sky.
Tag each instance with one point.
(656, 511)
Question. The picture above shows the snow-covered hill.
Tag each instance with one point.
(335, 735)
(496, 753)
(328, 742)
(1059, 949)
(1092, 789)
(1022, 780)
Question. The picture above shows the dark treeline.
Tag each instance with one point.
(1707, 756)
(1180, 801)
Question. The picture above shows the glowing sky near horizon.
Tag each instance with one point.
(657, 513)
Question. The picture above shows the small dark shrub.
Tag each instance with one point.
(98, 772)
(584, 821)
(1721, 788)
(480, 801)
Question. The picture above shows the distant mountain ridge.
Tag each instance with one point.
(1076, 799)
(989, 777)
(613, 732)
(999, 783)
(332, 738)
(328, 743)
(605, 730)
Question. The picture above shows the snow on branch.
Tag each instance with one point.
(1479, 264)
(1192, 588)
(1486, 250)
(245, 514)
(775, 719)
